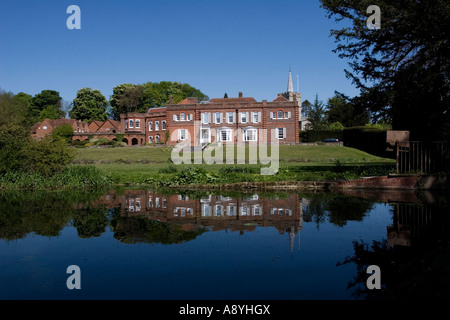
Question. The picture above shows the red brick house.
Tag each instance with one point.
(81, 129)
(224, 120)
(45, 128)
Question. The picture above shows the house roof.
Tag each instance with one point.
(280, 98)
(233, 100)
(189, 100)
(156, 109)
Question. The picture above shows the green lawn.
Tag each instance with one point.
(288, 154)
(137, 164)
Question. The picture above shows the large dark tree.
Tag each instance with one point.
(343, 110)
(46, 104)
(403, 68)
(317, 115)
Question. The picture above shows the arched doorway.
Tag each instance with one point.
(125, 140)
(134, 141)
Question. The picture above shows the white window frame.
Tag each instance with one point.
(255, 137)
(244, 210)
(228, 115)
(206, 213)
(180, 134)
(257, 115)
(203, 140)
(217, 117)
(150, 139)
(156, 125)
(163, 125)
(137, 124)
(150, 126)
(157, 138)
(242, 116)
(218, 210)
(229, 135)
(256, 210)
(205, 117)
(231, 212)
(131, 124)
(283, 131)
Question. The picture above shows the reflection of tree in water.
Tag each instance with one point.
(90, 221)
(44, 213)
(407, 273)
(142, 229)
(420, 270)
(336, 208)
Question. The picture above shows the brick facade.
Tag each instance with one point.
(225, 120)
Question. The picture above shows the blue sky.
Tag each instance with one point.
(216, 46)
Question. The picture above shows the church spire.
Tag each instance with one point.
(290, 86)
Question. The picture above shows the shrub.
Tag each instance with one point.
(64, 132)
(45, 157)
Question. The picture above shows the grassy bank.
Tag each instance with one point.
(73, 177)
(152, 166)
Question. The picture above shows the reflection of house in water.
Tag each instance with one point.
(216, 212)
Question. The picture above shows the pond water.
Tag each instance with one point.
(189, 245)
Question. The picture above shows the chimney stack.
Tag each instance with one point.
(240, 94)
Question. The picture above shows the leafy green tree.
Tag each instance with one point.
(89, 105)
(64, 132)
(402, 69)
(50, 112)
(14, 131)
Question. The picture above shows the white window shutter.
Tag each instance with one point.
(233, 117)
(284, 133)
(289, 115)
(174, 117)
(247, 117)
(259, 117)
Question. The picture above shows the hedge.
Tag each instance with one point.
(370, 140)
(319, 135)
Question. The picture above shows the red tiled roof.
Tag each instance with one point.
(156, 109)
(280, 98)
(233, 100)
(189, 100)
